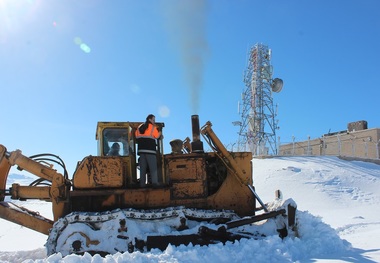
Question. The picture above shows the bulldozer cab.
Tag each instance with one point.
(112, 136)
(117, 139)
(123, 135)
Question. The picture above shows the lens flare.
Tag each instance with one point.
(164, 111)
(77, 40)
(85, 48)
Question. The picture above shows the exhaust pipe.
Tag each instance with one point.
(196, 144)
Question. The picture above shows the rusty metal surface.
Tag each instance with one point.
(99, 172)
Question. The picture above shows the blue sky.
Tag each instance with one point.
(65, 65)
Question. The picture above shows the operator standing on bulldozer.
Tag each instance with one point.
(146, 135)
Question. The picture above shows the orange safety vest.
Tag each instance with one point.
(147, 140)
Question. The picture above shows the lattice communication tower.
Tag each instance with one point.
(258, 125)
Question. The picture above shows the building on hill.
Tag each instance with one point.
(356, 141)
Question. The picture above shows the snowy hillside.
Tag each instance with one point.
(339, 220)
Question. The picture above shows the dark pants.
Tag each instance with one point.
(148, 161)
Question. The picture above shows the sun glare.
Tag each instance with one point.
(12, 15)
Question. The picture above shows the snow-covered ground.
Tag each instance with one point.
(338, 220)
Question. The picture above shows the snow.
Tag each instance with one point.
(338, 220)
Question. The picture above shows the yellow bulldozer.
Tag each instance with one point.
(203, 197)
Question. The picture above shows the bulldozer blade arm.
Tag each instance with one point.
(25, 218)
(253, 219)
(258, 198)
(206, 236)
(4, 171)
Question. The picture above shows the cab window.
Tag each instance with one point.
(116, 142)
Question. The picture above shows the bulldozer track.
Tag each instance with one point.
(92, 225)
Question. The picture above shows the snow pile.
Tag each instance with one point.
(338, 220)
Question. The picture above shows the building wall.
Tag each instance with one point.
(362, 143)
